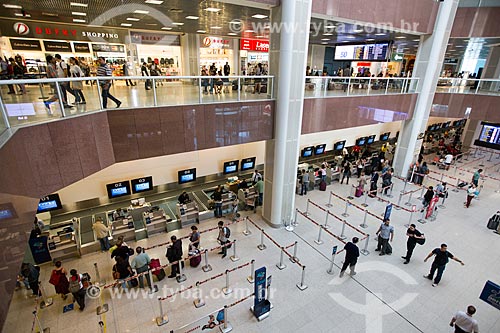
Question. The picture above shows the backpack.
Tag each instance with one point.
(227, 232)
(74, 285)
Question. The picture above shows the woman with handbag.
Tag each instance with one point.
(59, 280)
(77, 86)
(121, 271)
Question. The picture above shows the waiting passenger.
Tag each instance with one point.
(184, 198)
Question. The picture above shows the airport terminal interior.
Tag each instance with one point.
(250, 166)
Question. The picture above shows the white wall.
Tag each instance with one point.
(163, 169)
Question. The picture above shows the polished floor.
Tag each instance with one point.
(384, 296)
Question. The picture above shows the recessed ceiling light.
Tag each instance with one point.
(259, 16)
(79, 13)
(351, 37)
(201, 31)
(232, 34)
(249, 31)
(369, 39)
(12, 6)
(344, 41)
(212, 10)
(152, 24)
(216, 28)
(324, 43)
(77, 4)
(132, 19)
(177, 23)
(330, 26)
(166, 28)
(126, 24)
(328, 34)
(416, 40)
(380, 34)
(459, 46)
(325, 39)
(79, 21)
(22, 15)
(190, 17)
(138, 11)
(400, 37)
(49, 14)
(154, 2)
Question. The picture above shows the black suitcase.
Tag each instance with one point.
(322, 186)
(388, 249)
(494, 222)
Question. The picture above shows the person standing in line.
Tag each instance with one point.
(322, 170)
(101, 233)
(441, 190)
(217, 197)
(387, 180)
(476, 176)
(471, 193)
(373, 184)
(385, 235)
(76, 288)
(104, 70)
(463, 322)
(305, 182)
(227, 69)
(223, 238)
(31, 273)
(126, 72)
(359, 166)
(194, 237)
(427, 198)
(59, 280)
(174, 253)
(141, 264)
(351, 257)
(413, 234)
(447, 160)
(441, 258)
(62, 69)
(77, 86)
(346, 172)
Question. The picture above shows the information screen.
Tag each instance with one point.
(489, 136)
(186, 176)
(142, 184)
(319, 149)
(361, 141)
(49, 202)
(385, 136)
(118, 189)
(339, 145)
(362, 52)
(230, 167)
(370, 139)
(308, 151)
(248, 164)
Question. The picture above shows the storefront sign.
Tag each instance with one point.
(108, 48)
(25, 44)
(451, 61)
(397, 57)
(154, 39)
(254, 45)
(56, 46)
(81, 47)
(42, 30)
(216, 43)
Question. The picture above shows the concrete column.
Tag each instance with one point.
(469, 135)
(427, 67)
(288, 55)
(190, 45)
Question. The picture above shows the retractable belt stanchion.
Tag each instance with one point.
(306, 213)
(207, 267)
(295, 222)
(319, 241)
(281, 265)
(390, 191)
(363, 225)
(290, 227)
(344, 214)
(101, 326)
(342, 236)
(326, 220)
(262, 246)
(330, 270)
(102, 282)
(329, 204)
(364, 204)
(351, 195)
(163, 318)
(301, 285)
(408, 203)
(422, 219)
(421, 196)
(442, 206)
(153, 287)
(399, 201)
(198, 302)
(181, 277)
(412, 173)
(226, 327)
(404, 186)
(234, 257)
(247, 231)
(294, 258)
(46, 301)
(227, 290)
(39, 323)
(250, 278)
(365, 251)
(456, 190)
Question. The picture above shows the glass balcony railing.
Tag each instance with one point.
(335, 86)
(468, 86)
(42, 99)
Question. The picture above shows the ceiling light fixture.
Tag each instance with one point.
(166, 28)
(327, 34)
(190, 17)
(358, 30)
(132, 19)
(201, 31)
(232, 34)
(400, 37)
(138, 11)
(177, 23)
(154, 2)
(77, 4)
(325, 39)
(324, 43)
(260, 36)
(259, 16)
(369, 39)
(12, 6)
(212, 9)
(216, 28)
(79, 21)
(351, 37)
(380, 34)
(50, 14)
(152, 24)
(79, 13)
(126, 24)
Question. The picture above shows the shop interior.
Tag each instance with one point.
(167, 58)
(208, 56)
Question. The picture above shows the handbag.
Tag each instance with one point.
(54, 278)
(420, 241)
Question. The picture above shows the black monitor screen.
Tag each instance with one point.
(489, 136)
(230, 167)
(385, 136)
(339, 145)
(142, 184)
(319, 149)
(248, 164)
(361, 141)
(118, 189)
(48, 203)
(308, 151)
(370, 139)
(186, 176)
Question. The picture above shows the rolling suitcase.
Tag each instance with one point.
(494, 222)
(196, 260)
(359, 192)
(160, 273)
(322, 186)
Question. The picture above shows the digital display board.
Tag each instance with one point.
(186, 176)
(370, 139)
(248, 164)
(308, 151)
(118, 189)
(374, 52)
(142, 184)
(230, 167)
(48, 203)
(320, 149)
(385, 136)
(339, 145)
(489, 136)
(361, 141)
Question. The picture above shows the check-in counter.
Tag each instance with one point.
(248, 198)
(188, 213)
(63, 243)
(155, 221)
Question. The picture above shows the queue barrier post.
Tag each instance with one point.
(329, 204)
(226, 327)
(319, 241)
(301, 285)
(46, 301)
(365, 251)
(421, 196)
(306, 213)
(390, 191)
(289, 226)
(181, 277)
(363, 225)
(281, 265)
(342, 235)
(101, 308)
(442, 176)
(408, 203)
(364, 204)
(412, 174)
(351, 195)
(326, 220)
(198, 302)
(101, 326)
(234, 257)
(102, 282)
(398, 206)
(39, 323)
(456, 190)
(345, 214)
(422, 219)
(295, 222)
(163, 318)
(409, 221)
(152, 287)
(262, 246)
(247, 231)
(250, 278)
(330, 270)
(227, 290)
(404, 187)
(294, 258)
(207, 267)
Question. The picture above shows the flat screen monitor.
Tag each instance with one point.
(118, 189)
(248, 164)
(385, 136)
(446, 124)
(361, 141)
(355, 52)
(339, 145)
(307, 152)
(320, 149)
(186, 176)
(230, 167)
(48, 203)
(429, 128)
(370, 139)
(489, 136)
(142, 184)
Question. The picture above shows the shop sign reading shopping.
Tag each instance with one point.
(254, 45)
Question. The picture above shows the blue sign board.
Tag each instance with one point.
(388, 211)
(334, 250)
(491, 294)
(260, 286)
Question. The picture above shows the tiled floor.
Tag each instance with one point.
(385, 295)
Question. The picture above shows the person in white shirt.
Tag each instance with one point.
(256, 177)
(463, 322)
(447, 160)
